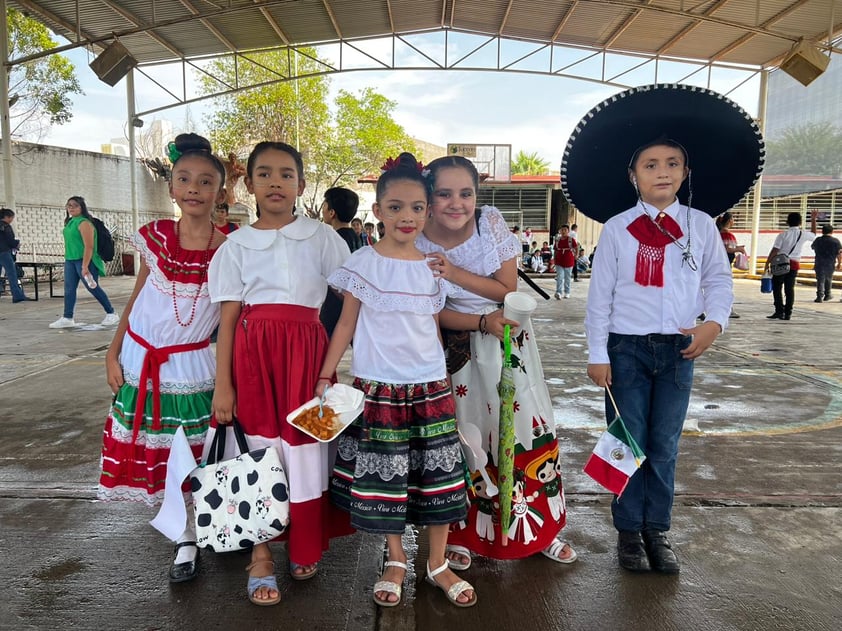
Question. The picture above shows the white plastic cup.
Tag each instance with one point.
(518, 306)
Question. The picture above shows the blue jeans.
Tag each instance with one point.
(562, 279)
(7, 262)
(72, 276)
(651, 383)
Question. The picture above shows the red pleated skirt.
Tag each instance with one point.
(278, 352)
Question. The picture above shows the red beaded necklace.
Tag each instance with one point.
(204, 268)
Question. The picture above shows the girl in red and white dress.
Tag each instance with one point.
(270, 279)
(160, 365)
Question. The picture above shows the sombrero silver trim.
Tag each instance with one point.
(615, 103)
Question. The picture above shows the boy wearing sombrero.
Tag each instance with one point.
(658, 264)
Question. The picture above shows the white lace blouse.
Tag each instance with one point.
(396, 339)
(483, 253)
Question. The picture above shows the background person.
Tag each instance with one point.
(723, 224)
(564, 258)
(82, 262)
(357, 227)
(220, 219)
(574, 234)
(371, 237)
(828, 251)
(8, 248)
(790, 242)
(338, 209)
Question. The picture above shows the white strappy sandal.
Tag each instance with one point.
(554, 550)
(389, 587)
(461, 551)
(455, 590)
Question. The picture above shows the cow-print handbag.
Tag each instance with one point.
(242, 501)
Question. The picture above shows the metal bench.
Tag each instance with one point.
(43, 265)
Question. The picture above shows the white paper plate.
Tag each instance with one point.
(346, 401)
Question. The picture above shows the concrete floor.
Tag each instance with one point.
(756, 521)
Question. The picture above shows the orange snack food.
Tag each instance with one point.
(323, 428)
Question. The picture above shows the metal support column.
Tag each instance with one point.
(5, 114)
(755, 218)
(130, 112)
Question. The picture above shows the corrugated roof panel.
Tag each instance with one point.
(592, 23)
(485, 16)
(801, 22)
(643, 35)
(760, 50)
(361, 18)
(247, 30)
(305, 22)
(534, 20)
(192, 38)
(753, 13)
(704, 40)
(412, 15)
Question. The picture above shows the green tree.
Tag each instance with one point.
(286, 111)
(338, 147)
(362, 135)
(811, 149)
(40, 91)
(529, 164)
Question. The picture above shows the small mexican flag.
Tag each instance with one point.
(615, 458)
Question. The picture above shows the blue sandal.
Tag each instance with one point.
(256, 582)
(303, 576)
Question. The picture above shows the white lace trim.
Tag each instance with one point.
(387, 284)
(170, 387)
(156, 275)
(156, 441)
(446, 458)
(485, 251)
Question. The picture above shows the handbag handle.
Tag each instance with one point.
(216, 453)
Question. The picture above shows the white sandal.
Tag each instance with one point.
(389, 587)
(461, 551)
(554, 550)
(455, 590)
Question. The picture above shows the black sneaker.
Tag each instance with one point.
(818, 300)
(659, 549)
(775, 316)
(631, 552)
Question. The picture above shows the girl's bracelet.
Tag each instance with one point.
(482, 327)
(324, 379)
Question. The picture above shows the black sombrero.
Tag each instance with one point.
(724, 144)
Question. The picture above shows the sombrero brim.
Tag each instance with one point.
(724, 144)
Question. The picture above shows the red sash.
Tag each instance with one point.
(155, 358)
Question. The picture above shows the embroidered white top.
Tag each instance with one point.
(285, 266)
(483, 253)
(616, 304)
(396, 339)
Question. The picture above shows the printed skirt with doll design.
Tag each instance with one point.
(538, 508)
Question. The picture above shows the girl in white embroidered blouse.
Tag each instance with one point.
(400, 461)
(475, 250)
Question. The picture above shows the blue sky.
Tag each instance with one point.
(533, 113)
